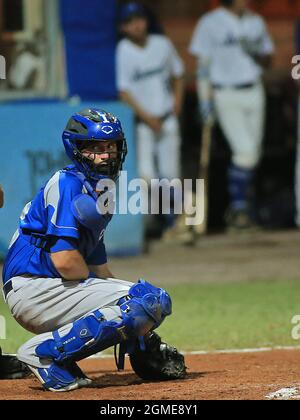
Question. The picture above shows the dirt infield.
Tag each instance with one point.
(213, 376)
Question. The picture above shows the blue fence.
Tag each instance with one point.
(90, 35)
(32, 151)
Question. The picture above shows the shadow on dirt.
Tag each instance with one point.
(128, 379)
(113, 380)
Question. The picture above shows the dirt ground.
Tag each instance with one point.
(214, 376)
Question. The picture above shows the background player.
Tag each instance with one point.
(150, 80)
(10, 367)
(230, 66)
(56, 276)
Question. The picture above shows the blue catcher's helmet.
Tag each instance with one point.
(95, 125)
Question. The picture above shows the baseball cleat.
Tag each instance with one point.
(75, 370)
(60, 379)
(240, 220)
(12, 368)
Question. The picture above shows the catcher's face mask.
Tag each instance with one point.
(94, 140)
(102, 157)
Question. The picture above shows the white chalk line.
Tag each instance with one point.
(208, 352)
(285, 394)
(204, 352)
(249, 350)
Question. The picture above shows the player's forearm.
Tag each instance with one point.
(178, 93)
(70, 265)
(101, 271)
(129, 100)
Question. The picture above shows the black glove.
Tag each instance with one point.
(12, 368)
(158, 361)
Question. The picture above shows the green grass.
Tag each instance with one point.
(222, 316)
(216, 316)
(15, 334)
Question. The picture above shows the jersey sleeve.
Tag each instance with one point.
(177, 66)
(201, 44)
(63, 244)
(58, 196)
(99, 256)
(267, 45)
(123, 74)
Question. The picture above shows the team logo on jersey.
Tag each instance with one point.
(83, 333)
(231, 40)
(107, 129)
(126, 309)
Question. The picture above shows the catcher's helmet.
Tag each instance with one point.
(95, 125)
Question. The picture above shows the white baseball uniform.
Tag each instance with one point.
(146, 73)
(219, 40)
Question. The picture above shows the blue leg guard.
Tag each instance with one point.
(143, 310)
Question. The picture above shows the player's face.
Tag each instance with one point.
(241, 5)
(136, 28)
(98, 151)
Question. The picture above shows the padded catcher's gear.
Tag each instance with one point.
(95, 125)
(157, 361)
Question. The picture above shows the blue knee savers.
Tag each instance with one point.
(144, 309)
(155, 302)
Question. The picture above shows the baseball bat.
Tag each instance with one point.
(204, 162)
(189, 234)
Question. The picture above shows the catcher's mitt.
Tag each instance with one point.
(12, 368)
(158, 361)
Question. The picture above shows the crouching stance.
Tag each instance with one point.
(56, 279)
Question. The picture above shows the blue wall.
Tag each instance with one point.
(90, 41)
(32, 150)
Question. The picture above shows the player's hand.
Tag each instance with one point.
(178, 108)
(1, 197)
(207, 111)
(153, 122)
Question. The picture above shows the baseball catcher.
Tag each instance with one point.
(57, 282)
